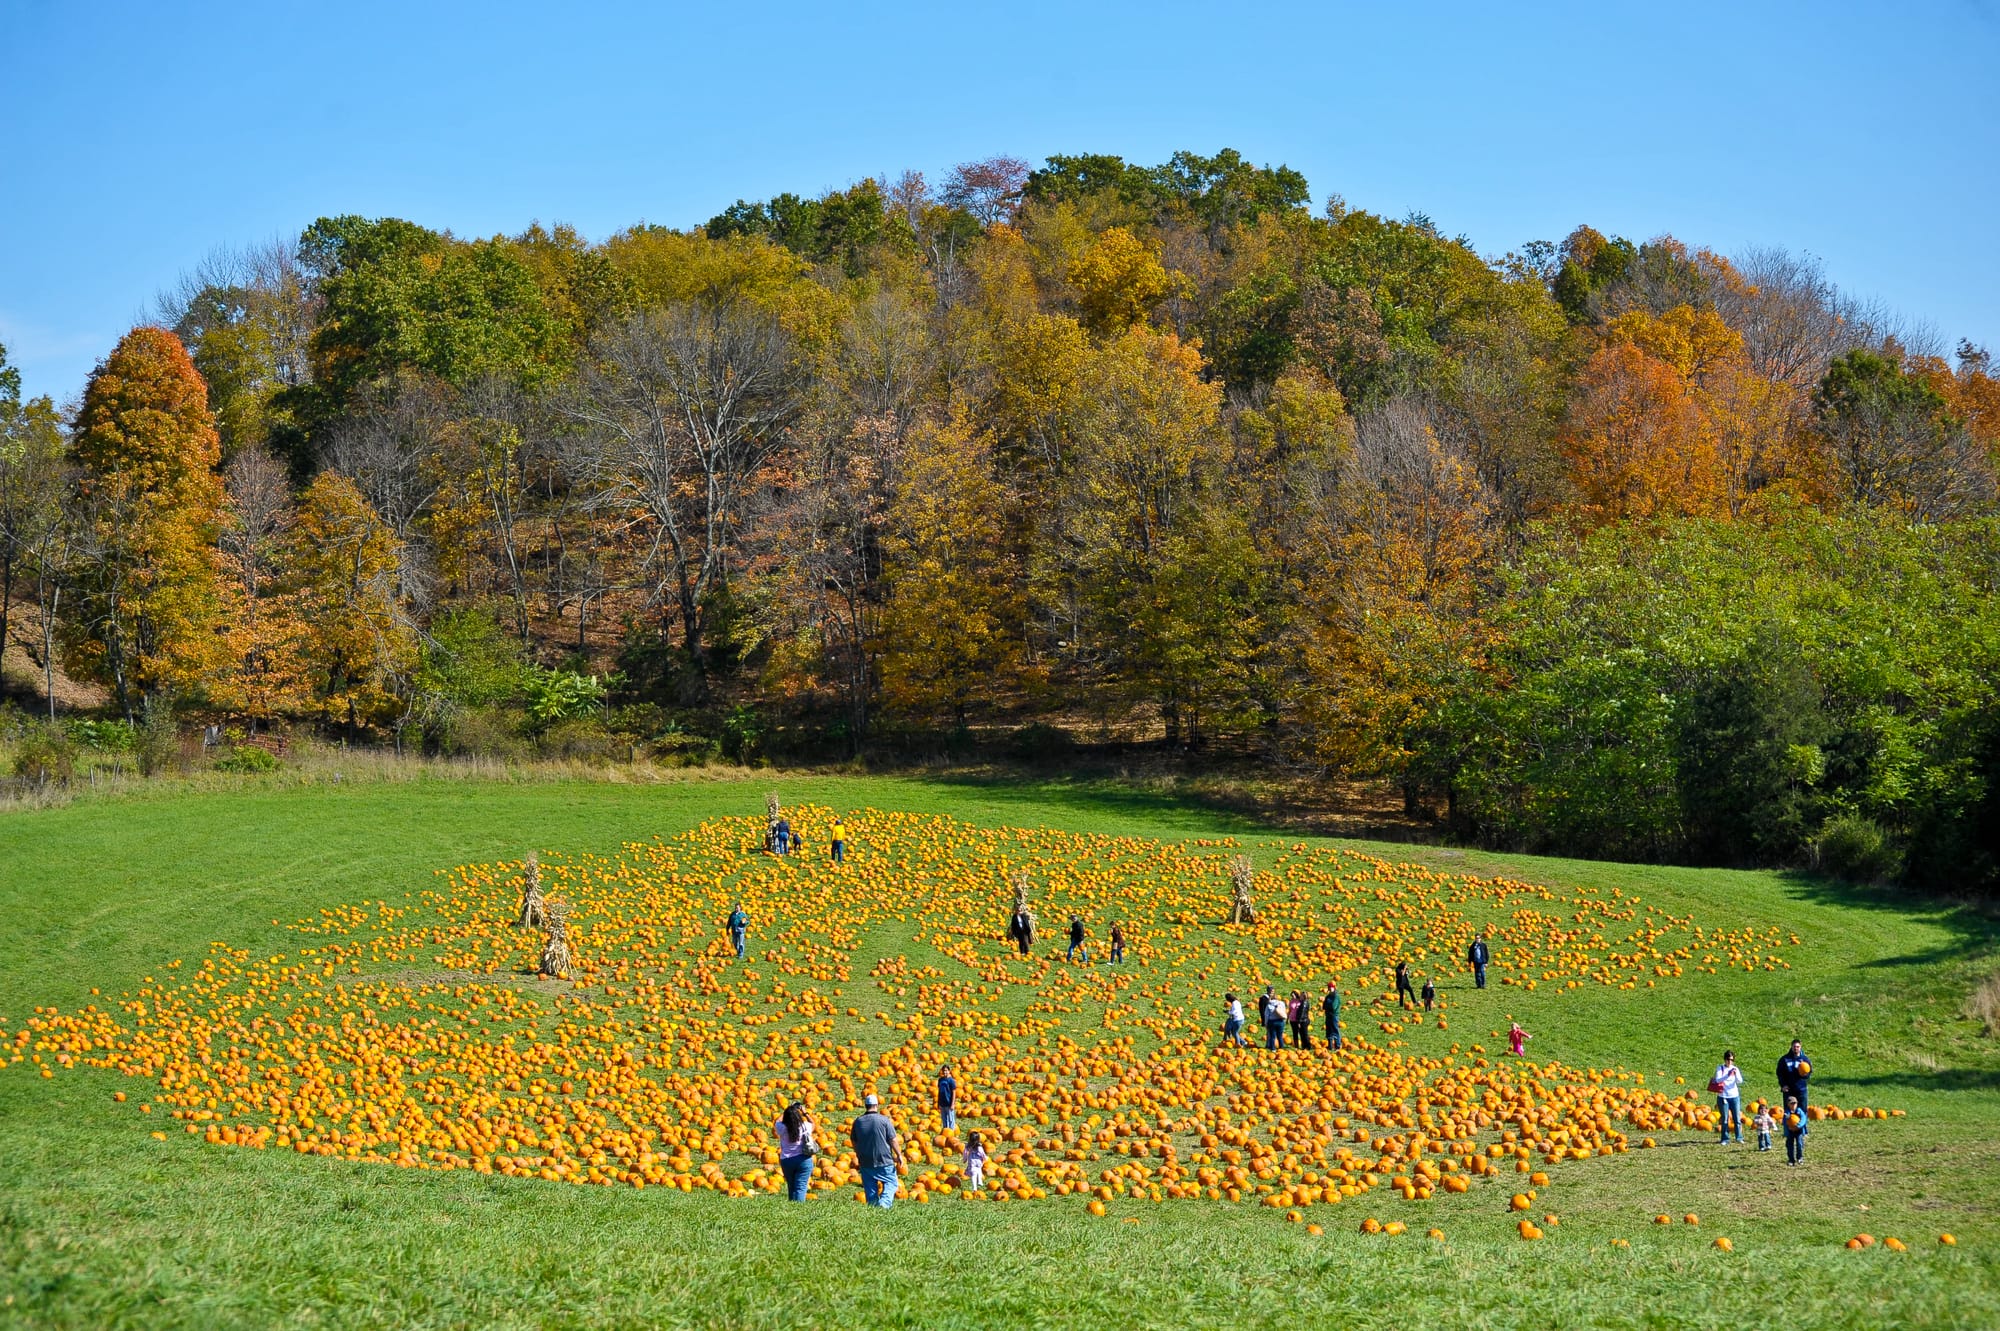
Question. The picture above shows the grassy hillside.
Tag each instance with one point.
(101, 1225)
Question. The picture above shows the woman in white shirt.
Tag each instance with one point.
(1727, 1083)
(797, 1144)
(1232, 1020)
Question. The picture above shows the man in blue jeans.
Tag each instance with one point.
(947, 1091)
(878, 1151)
(739, 925)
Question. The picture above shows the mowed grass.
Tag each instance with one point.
(102, 1226)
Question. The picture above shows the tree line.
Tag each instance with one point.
(1624, 548)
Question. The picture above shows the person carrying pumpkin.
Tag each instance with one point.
(1795, 1073)
(1795, 1131)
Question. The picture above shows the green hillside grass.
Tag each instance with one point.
(102, 1226)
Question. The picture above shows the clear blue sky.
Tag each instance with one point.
(135, 138)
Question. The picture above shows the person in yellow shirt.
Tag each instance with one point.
(839, 840)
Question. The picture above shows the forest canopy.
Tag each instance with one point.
(1611, 546)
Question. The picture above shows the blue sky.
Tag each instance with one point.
(136, 138)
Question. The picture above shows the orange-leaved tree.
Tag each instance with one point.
(149, 602)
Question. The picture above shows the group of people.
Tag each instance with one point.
(1021, 930)
(1278, 1015)
(780, 839)
(1794, 1091)
(878, 1146)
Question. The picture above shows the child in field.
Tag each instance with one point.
(1795, 1131)
(1765, 1122)
(1517, 1039)
(1430, 992)
(1232, 1019)
(975, 1162)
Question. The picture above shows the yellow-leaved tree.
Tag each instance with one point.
(360, 647)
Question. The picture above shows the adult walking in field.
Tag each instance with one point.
(1275, 1014)
(797, 1145)
(1299, 1012)
(739, 929)
(1076, 937)
(878, 1152)
(1478, 954)
(782, 835)
(1727, 1087)
(947, 1099)
(839, 840)
(1329, 1006)
(1405, 995)
(1021, 928)
(1795, 1073)
(1232, 1019)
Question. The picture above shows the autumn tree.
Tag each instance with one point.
(1891, 440)
(31, 485)
(149, 602)
(359, 647)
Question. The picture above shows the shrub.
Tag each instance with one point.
(1855, 848)
(742, 734)
(156, 740)
(1040, 741)
(582, 739)
(47, 755)
(1984, 1005)
(247, 758)
(484, 732)
(562, 695)
(104, 736)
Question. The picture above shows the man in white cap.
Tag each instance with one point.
(878, 1150)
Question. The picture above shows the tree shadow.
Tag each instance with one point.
(1974, 925)
(1943, 1079)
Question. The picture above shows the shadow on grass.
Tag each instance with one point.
(1174, 804)
(1943, 1079)
(1974, 925)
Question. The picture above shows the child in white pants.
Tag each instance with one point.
(975, 1162)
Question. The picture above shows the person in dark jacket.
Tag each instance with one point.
(1330, 1006)
(1022, 930)
(1404, 993)
(739, 926)
(1478, 955)
(1795, 1073)
(947, 1098)
(1076, 934)
(1430, 992)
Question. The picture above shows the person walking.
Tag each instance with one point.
(1727, 1087)
(1795, 1130)
(1517, 1039)
(1076, 936)
(975, 1162)
(1299, 1011)
(1275, 1013)
(1329, 1006)
(797, 1145)
(1117, 943)
(878, 1152)
(1405, 996)
(1478, 954)
(782, 834)
(1795, 1074)
(1232, 1020)
(839, 839)
(739, 928)
(947, 1098)
(1765, 1122)
(1022, 930)
(1430, 992)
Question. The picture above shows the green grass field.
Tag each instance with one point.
(100, 1225)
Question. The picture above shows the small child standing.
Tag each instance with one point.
(1764, 1122)
(1517, 1039)
(1795, 1131)
(1430, 992)
(975, 1162)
